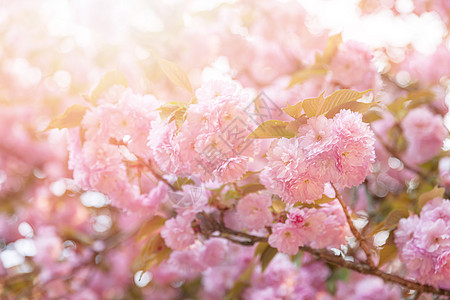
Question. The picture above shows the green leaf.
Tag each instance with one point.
(394, 217)
(388, 253)
(294, 125)
(260, 248)
(372, 116)
(324, 199)
(231, 195)
(72, 117)
(175, 74)
(174, 111)
(108, 80)
(312, 106)
(266, 257)
(320, 65)
(237, 289)
(303, 75)
(294, 111)
(179, 117)
(153, 254)
(278, 205)
(339, 274)
(169, 108)
(250, 173)
(150, 227)
(320, 105)
(330, 49)
(355, 106)
(242, 282)
(178, 184)
(411, 100)
(271, 129)
(307, 205)
(252, 188)
(391, 220)
(436, 192)
(190, 289)
(76, 235)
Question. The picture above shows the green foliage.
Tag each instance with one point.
(150, 228)
(174, 73)
(72, 117)
(337, 274)
(320, 67)
(391, 220)
(265, 253)
(108, 80)
(436, 192)
(154, 253)
(319, 106)
(271, 129)
(241, 283)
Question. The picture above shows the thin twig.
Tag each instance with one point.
(355, 231)
(155, 173)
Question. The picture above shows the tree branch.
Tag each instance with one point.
(209, 225)
(365, 269)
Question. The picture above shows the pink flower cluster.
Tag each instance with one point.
(282, 277)
(279, 43)
(424, 243)
(219, 262)
(366, 287)
(338, 150)
(178, 233)
(351, 67)
(317, 228)
(190, 262)
(20, 167)
(112, 139)
(425, 133)
(427, 69)
(253, 211)
(211, 143)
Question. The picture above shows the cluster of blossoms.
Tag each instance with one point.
(366, 287)
(338, 150)
(425, 133)
(279, 46)
(278, 281)
(109, 150)
(317, 228)
(219, 262)
(419, 66)
(351, 67)
(188, 263)
(424, 243)
(254, 211)
(18, 167)
(211, 141)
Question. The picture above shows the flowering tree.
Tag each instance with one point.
(280, 162)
